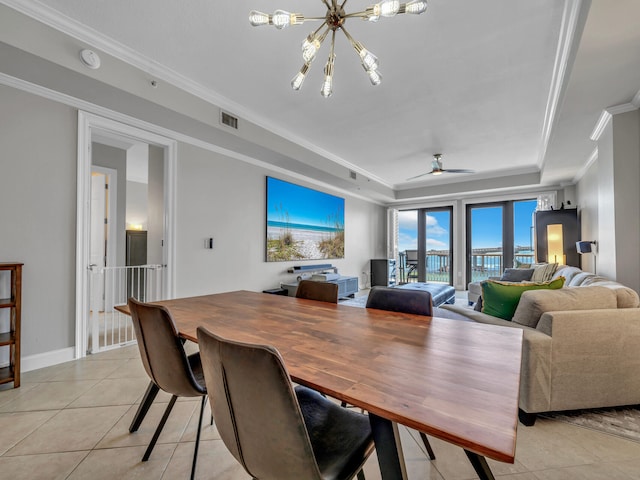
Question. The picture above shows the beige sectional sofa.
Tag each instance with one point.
(581, 346)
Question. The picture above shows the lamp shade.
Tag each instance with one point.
(555, 245)
(584, 246)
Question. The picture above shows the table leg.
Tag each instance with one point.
(480, 465)
(143, 408)
(388, 448)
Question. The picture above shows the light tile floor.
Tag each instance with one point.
(71, 422)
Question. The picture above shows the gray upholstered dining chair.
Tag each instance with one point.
(322, 291)
(167, 363)
(403, 300)
(276, 431)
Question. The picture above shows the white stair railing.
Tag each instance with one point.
(113, 286)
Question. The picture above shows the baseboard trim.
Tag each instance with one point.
(47, 359)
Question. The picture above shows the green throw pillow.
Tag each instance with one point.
(500, 299)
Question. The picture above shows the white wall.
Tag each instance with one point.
(216, 196)
(223, 198)
(38, 214)
(626, 153)
(587, 194)
(609, 200)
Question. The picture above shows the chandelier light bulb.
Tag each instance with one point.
(389, 8)
(369, 60)
(310, 47)
(374, 77)
(416, 7)
(371, 15)
(327, 85)
(281, 19)
(257, 18)
(298, 80)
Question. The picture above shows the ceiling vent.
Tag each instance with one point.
(352, 174)
(228, 120)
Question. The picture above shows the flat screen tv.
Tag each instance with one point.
(302, 223)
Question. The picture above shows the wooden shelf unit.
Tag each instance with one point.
(11, 338)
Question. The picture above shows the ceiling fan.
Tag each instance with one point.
(437, 169)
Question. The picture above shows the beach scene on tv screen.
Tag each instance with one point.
(302, 223)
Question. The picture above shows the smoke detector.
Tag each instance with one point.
(90, 59)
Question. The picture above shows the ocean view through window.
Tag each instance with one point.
(499, 236)
(428, 230)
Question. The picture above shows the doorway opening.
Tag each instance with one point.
(126, 180)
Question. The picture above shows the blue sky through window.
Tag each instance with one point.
(486, 225)
(437, 230)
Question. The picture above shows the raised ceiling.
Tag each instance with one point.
(509, 88)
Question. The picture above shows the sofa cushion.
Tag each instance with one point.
(579, 279)
(543, 272)
(517, 274)
(536, 302)
(500, 299)
(627, 297)
(567, 272)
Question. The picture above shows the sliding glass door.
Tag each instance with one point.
(408, 245)
(438, 239)
(499, 236)
(523, 232)
(485, 232)
(425, 237)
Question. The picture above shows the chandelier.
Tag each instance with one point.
(332, 21)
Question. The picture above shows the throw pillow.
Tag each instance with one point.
(534, 303)
(517, 274)
(543, 272)
(500, 299)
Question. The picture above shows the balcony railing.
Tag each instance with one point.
(485, 265)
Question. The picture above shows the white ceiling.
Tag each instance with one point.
(498, 86)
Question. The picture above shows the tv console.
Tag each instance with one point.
(347, 286)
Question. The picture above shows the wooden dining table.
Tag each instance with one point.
(454, 380)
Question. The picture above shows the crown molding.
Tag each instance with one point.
(68, 26)
(573, 19)
(601, 124)
(581, 173)
(608, 113)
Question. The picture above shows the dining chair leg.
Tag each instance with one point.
(143, 408)
(195, 452)
(425, 440)
(163, 420)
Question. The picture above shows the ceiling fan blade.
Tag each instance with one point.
(458, 170)
(418, 176)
